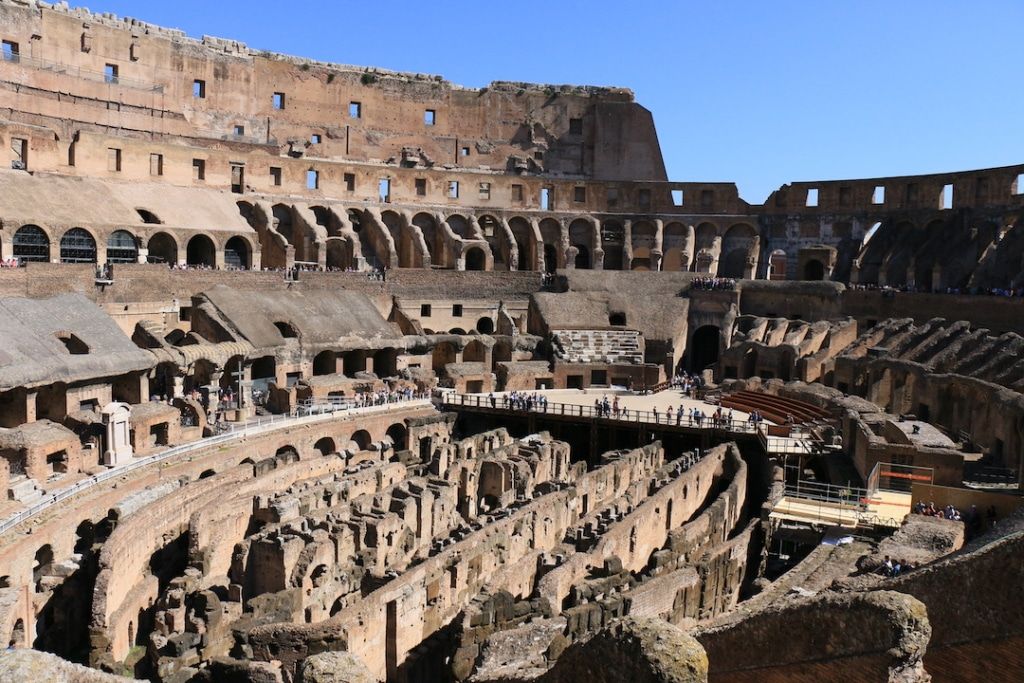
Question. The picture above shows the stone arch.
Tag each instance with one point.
(476, 259)
(77, 245)
(325, 363)
(461, 226)
(443, 354)
(31, 243)
(399, 436)
(738, 244)
(485, 325)
(497, 241)
(643, 242)
(613, 241)
(403, 242)
(122, 247)
(526, 242)
(502, 351)
(362, 439)
(237, 253)
(287, 453)
(814, 269)
(162, 247)
(432, 237)
(581, 236)
(475, 352)
(551, 236)
(207, 473)
(339, 253)
(675, 238)
(777, 265)
(325, 445)
(705, 346)
(200, 251)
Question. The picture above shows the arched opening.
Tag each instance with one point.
(425, 223)
(122, 247)
(163, 249)
(200, 252)
(485, 326)
(550, 258)
(362, 439)
(475, 352)
(476, 259)
(749, 368)
(581, 236)
(325, 363)
(236, 253)
(502, 351)
(354, 362)
(339, 253)
(522, 233)
(287, 453)
(17, 638)
(77, 246)
(777, 265)
(43, 560)
(675, 243)
(286, 329)
(814, 270)
(457, 330)
(148, 217)
(644, 240)
(325, 446)
(704, 347)
(206, 474)
(582, 257)
(399, 436)
(31, 244)
(443, 354)
(613, 238)
(264, 371)
(385, 363)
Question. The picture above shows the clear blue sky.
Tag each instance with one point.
(759, 93)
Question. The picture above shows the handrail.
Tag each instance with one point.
(235, 431)
(623, 415)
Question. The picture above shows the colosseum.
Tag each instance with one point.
(321, 373)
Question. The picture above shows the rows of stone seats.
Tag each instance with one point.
(608, 346)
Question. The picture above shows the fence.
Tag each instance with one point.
(230, 433)
(647, 417)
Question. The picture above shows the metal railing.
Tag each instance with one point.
(649, 417)
(889, 476)
(82, 73)
(234, 431)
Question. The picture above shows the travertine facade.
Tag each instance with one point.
(261, 314)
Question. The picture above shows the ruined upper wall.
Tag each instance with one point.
(359, 113)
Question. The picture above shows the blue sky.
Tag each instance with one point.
(759, 93)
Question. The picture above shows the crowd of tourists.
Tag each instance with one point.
(972, 291)
(518, 400)
(687, 383)
(713, 283)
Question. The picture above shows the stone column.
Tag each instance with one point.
(656, 251)
(627, 244)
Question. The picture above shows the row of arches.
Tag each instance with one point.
(30, 243)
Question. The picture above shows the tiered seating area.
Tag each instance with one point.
(599, 346)
(774, 408)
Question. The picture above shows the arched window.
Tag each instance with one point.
(77, 246)
(31, 244)
(121, 247)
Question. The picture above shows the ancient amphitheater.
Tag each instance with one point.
(313, 372)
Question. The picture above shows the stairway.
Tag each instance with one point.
(24, 490)
(599, 346)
